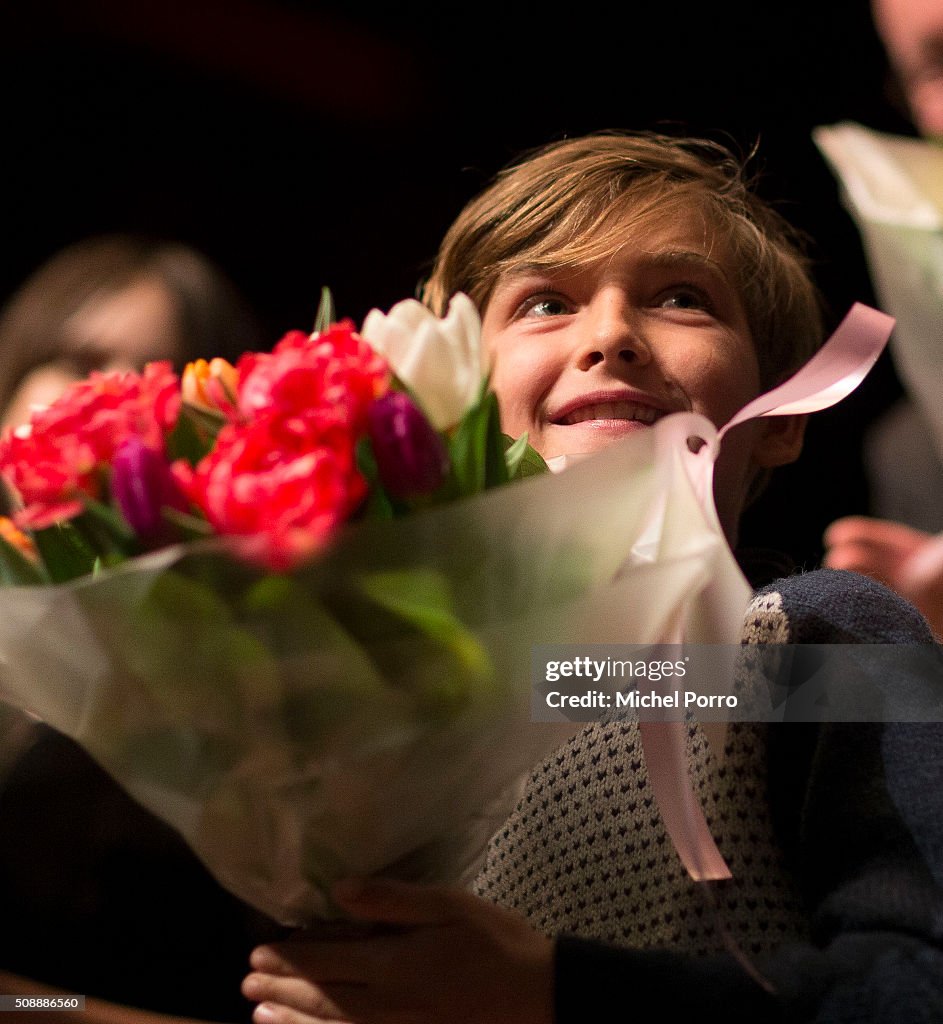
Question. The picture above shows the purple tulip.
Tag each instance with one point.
(411, 457)
(142, 486)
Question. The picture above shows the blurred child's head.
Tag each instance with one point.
(114, 302)
(623, 277)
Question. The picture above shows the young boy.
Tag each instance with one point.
(622, 278)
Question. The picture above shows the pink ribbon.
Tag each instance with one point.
(838, 367)
(831, 375)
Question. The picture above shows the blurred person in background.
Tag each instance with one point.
(97, 897)
(912, 33)
(115, 302)
(904, 548)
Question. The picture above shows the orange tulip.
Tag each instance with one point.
(18, 539)
(211, 386)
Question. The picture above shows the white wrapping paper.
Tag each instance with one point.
(288, 745)
(893, 188)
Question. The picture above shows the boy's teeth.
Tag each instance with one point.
(612, 411)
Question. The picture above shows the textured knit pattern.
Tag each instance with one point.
(858, 811)
(586, 852)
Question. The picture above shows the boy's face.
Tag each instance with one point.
(583, 358)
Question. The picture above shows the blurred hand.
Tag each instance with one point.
(907, 560)
(454, 958)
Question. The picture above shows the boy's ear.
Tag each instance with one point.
(779, 441)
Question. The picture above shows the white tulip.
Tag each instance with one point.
(441, 361)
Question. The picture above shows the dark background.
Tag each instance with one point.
(300, 144)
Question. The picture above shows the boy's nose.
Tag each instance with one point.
(613, 335)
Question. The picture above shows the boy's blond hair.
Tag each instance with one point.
(579, 200)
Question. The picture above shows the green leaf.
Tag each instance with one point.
(181, 640)
(194, 434)
(378, 505)
(16, 570)
(522, 460)
(496, 468)
(105, 529)
(477, 447)
(65, 552)
(428, 649)
(99, 536)
(181, 599)
(191, 527)
(325, 315)
(324, 676)
(411, 593)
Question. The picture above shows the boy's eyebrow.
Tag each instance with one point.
(686, 257)
(665, 258)
(528, 270)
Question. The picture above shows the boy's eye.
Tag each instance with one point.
(544, 305)
(685, 296)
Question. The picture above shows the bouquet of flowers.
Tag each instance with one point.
(290, 605)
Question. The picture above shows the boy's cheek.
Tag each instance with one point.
(521, 380)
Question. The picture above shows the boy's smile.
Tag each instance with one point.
(583, 356)
(616, 409)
